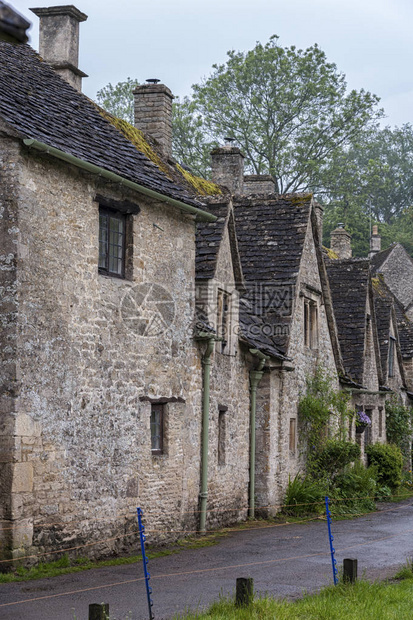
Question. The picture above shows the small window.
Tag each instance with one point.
(392, 347)
(221, 434)
(112, 229)
(310, 324)
(380, 421)
(293, 432)
(157, 428)
(223, 320)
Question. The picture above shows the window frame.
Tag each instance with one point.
(121, 217)
(222, 433)
(392, 351)
(224, 299)
(310, 318)
(157, 408)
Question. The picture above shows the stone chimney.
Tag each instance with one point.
(153, 113)
(258, 184)
(228, 168)
(59, 41)
(341, 242)
(375, 242)
(319, 212)
(13, 26)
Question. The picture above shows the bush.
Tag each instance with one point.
(356, 489)
(334, 457)
(303, 496)
(399, 425)
(388, 460)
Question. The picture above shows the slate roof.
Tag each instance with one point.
(383, 308)
(378, 259)
(39, 104)
(271, 232)
(349, 285)
(404, 325)
(255, 329)
(208, 240)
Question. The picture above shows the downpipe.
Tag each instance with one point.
(206, 375)
(255, 378)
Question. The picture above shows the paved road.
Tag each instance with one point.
(194, 578)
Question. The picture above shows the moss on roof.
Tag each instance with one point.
(202, 187)
(137, 137)
(330, 253)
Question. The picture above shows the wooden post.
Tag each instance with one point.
(350, 570)
(99, 611)
(244, 591)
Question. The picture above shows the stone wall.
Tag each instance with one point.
(87, 377)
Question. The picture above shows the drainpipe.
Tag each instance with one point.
(206, 365)
(255, 378)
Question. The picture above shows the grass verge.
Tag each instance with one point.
(363, 600)
(66, 565)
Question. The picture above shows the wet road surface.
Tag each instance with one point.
(284, 561)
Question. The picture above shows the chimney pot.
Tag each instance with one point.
(59, 40)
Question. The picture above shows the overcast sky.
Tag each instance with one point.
(178, 41)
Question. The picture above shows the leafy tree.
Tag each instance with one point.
(372, 182)
(190, 144)
(287, 108)
(118, 99)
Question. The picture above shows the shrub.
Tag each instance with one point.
(303, 496)
(388, 460)
(355, 488)
(398, 425)
(335, 455)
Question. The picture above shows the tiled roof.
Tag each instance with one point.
(255, 330)
(404, 325)
(383, 308)
(39, 104)
(349, 285)
(208, 240)
(378, 259)
(271, 231)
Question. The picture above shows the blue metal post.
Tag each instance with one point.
(331, 538)
(145, 563)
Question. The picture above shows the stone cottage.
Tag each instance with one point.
(101, 375)
(157, 328)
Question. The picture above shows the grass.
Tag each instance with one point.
(66, 565)
(363, 600)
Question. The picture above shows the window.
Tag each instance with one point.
(223, 320)
(157, 428)
(380, 421)
(310, 324)
(392, 346)
(293, 430)
(221, 434)
(368, 433)
(112, 229)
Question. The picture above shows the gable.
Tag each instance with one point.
(397, 269)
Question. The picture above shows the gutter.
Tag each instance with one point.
(255, 378)
(369, 392)
(111, 176)
(206, 374)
